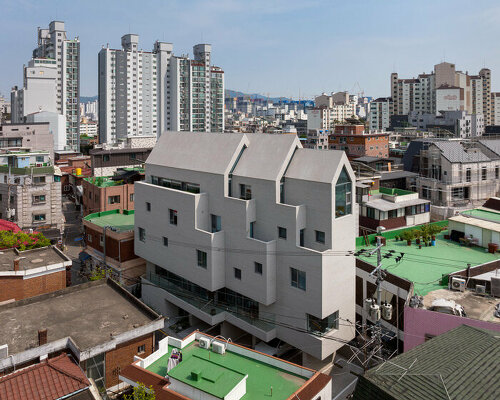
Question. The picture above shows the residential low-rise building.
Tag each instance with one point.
(104, 193)
(30, 189)
(392, 208)
(30, 273)
(34, 136)
(99, 323)
(204, 367)
(232, 234)
(454, 123)
(109, 240)
(356, 142)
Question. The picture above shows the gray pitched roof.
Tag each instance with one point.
(460, 364)
(454, 152)
(315, 165)
(492, 144)
(266, 155)
(198, 151)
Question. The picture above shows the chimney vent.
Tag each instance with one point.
(42, 337)
(16, 264)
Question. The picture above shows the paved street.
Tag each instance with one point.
(73, 232)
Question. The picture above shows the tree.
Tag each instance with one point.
(99, 273)
(141, 392)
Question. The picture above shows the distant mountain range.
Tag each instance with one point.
(228, 93)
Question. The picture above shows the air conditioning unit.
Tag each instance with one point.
(480, 289)
(204, 343)
(457, 284)
(218, 348)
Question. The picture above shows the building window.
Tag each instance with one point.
(89, 238)
(301, 237)
(39, 218)
(148, 206)
(216, 222)
(483, 173)
(237, 273)
(105, 158)
(320, 237)
(113, 199)
(165, 241)
(131, 197)
(497, 172)
(173, 216)
(281, 232)
(298, 278)
(142, 234)
(202, 258)
(39, 180)
(426, 194)
(141, 349)
(343, 194)
(258, 268)
(321, 326)
(39, 199)
(252, 229)
(245, 192)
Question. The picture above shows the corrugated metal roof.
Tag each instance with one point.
(454, 151)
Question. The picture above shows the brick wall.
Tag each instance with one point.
(18, 288)
(123, 356)
(126, 251)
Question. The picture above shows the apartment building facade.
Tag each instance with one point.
(445, 89)
(30, 190)
(145, 93)
(251, 231)
(457, 123)
(379, 117)
(36, 136)
(458, 174)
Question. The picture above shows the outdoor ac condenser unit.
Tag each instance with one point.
(218, 348)
(480, 289)
(457, 284)
(204, 343)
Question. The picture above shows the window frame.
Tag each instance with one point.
(295, 279)
(201, 259)
(282, 233)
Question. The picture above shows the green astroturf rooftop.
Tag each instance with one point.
(483, 214)
(114, 218)
(425, 267)
(221, 372)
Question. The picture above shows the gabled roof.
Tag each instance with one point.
(315, 165)
(492, 144)
(460, 364)
(197, 151)
(454, 151)
(266, 155)
(47, 380)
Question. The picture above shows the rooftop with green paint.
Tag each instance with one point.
(119, 221)
(426, 267)
(235, 373)
(480, 213)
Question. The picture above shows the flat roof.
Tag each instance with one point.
(475, 306)
(425, 267)
(387, 205)
(30, 259)
(119, 221)
(102, 181)
(261, 376)
(484, 214)
(90, 313)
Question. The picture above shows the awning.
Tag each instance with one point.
(83, 256)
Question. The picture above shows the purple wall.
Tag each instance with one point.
(419, 322)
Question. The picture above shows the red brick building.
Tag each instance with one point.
(116, 192)
(32, 272)
(357, 143)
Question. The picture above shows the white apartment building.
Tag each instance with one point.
(52, 84)
(145, 93)
(38, 92)
(495, 108)
(458, 123)
(379, 118)
(445, 89)
(250, 231)
(88, 128)
(54, 44)
(327, 118)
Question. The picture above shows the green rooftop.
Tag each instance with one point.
(219, 373)
(103, 181)
(483, 214)
(114, 218)
(427, 267)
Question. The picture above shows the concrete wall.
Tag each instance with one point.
(421, 322)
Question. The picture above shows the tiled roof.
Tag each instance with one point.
(47, 380)
(460, 364)
(454, 152)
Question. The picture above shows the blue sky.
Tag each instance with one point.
(280, 47)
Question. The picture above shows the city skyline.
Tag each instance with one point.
(280, 49)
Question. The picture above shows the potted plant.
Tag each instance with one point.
(416, 234)
(408, 236)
